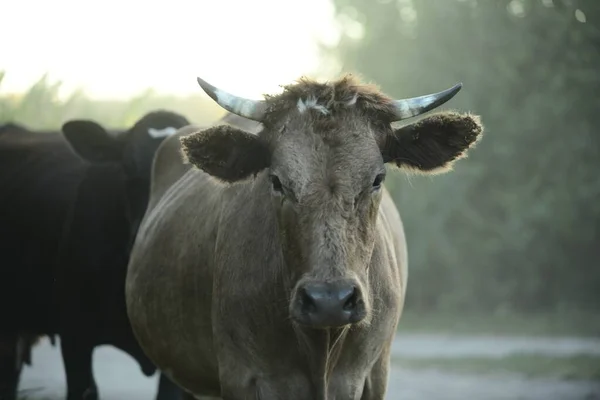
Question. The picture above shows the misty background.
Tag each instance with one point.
(506, 243)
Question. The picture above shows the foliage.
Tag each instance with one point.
(541, 324)
(515, 226)
(41, 107)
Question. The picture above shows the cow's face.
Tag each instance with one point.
(133, 150)
(322, 157)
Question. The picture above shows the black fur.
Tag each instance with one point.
(66, 228)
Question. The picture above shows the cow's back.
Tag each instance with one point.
(168, 165)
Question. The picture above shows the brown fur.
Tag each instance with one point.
(434, 143)
(214, 279)
(430, 145)
(225, 155)
(335, 96)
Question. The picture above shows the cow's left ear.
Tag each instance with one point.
(226, 153)
(432, 144)
(92, 142)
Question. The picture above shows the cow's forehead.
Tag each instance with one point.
(344, 95)
(343, 151)
(318, 130)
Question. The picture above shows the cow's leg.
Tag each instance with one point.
(10, 366)
(77, 358)
(168, 390)
(376, 383)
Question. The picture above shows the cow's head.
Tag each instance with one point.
(323, 154)
(132, 149)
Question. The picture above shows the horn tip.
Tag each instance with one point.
(207, 87)
(451, 92)
(203, 84)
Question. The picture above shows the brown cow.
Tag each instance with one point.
(277, 268)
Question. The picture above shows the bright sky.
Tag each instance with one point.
(118, 48)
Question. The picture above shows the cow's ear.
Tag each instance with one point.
(432, 144)
(92, 142)
(227, 153)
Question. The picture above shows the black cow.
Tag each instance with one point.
(15, 352)
(70, 210)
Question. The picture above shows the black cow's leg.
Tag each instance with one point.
(77, 358)
(168, 390)
(10, 366)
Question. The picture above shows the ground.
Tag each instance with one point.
(424, 366)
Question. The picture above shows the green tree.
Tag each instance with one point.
(515, 226)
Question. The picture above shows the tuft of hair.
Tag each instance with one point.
(184, 157)
(328, 98)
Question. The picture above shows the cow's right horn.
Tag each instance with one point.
(251, 109)
(412, 107)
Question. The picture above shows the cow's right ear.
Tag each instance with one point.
(227, 153)
(91, 141)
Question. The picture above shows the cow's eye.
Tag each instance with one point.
(378, 182)
(276, 183)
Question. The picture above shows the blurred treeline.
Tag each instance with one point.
(515, 226)
(42, 107)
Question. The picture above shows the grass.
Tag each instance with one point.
(530, 366)
(549, 324)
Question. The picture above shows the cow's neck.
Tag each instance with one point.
(322, 349)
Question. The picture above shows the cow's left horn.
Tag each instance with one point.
(251, 109)
(407, 108)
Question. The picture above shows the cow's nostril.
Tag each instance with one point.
(328, 304)
(308, 304)
(351, 301)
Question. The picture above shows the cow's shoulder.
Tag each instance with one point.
(169, 164)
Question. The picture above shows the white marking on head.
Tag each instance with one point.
(353, 100)
(301, 106)
(158, 133)
(311, 102)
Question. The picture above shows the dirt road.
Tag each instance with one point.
(119, 377)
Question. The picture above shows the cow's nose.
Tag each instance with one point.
(327, 305)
